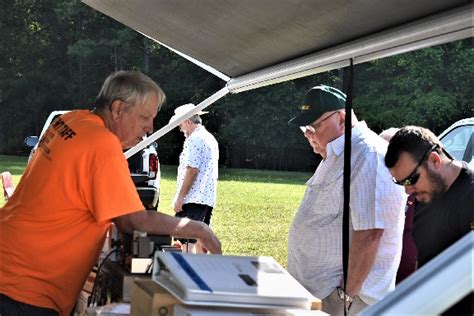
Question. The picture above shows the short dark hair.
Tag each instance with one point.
(196, 119)
(414, 140)
(128, 86)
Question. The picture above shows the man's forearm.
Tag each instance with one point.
(168, 225)
(189, 178)
(157, 223)
(363, 249)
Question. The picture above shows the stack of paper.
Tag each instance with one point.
(181, 310)
(231, 281)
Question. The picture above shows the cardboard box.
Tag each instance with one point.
(89, 284)
(316, 304)
(119, 281)
(81, 304)
(148, 298)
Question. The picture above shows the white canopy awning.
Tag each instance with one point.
(251, 44)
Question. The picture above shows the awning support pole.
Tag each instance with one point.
(348, 85)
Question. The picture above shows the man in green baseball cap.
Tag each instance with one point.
(376, 210)
(317, 101)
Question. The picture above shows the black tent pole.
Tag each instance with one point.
(347, 84)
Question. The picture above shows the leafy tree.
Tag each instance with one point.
(431, 87)
(255, 127)
(55, 55)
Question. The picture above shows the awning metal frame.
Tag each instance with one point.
(442, 282)
(435, 30)
(442, 28)
(171, 125)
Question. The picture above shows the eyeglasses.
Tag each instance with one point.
(414, 176)
(312, 128)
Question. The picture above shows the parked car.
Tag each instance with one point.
(144, 166)
(145, 172)
(458, 140)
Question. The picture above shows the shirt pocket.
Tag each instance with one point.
(327, 199)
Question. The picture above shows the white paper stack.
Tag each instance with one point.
(229, 281)
(181, 310)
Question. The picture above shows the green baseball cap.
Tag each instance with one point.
(317, 101)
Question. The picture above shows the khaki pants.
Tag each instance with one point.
(333, 305)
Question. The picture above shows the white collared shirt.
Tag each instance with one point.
(201, 151)
(315, 237)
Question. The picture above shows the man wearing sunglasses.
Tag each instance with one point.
(376, 210)
(443, 187)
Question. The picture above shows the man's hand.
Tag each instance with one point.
(362, 252)
(189, 178)
(178, 205)
(209, 240)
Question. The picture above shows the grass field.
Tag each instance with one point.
(254, 208)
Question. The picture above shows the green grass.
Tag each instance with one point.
(16, 165)
(254, 207)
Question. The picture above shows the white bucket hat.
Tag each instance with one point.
(185, 108)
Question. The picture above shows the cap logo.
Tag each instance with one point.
(304, 107)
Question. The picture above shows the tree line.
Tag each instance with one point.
(54, 55)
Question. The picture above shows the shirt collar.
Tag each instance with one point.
(336, 147)
(196, 130)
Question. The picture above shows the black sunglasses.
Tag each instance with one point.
(414, 176)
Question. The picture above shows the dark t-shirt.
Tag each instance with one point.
(441, 223)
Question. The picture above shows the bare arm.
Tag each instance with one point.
(189, 178)
(157, 223)
(362, 252)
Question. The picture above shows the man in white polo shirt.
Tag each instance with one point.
(376, 211)
(197, 174)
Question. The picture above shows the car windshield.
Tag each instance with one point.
(458, 142)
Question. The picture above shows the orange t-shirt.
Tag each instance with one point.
(53, 227)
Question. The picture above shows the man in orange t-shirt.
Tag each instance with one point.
(78, 183)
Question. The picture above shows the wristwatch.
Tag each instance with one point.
(343, 296)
